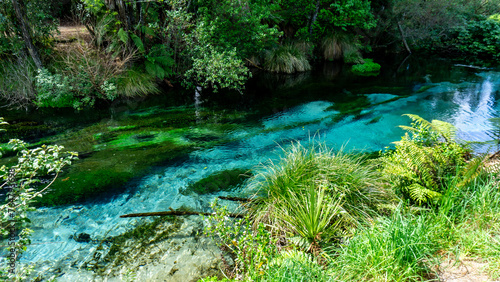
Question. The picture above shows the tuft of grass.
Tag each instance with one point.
(468, 223)
(294, 266)
(286, 58)
(341, 46)
(311, 214)
(286, 186)
(332, 47)
(134, 82)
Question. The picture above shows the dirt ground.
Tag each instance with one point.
(71, 32)
(464, 271)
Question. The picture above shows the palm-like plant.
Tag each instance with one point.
(309, 213)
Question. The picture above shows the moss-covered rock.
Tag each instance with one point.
(219, 181)
(368, 68)
(142, 236)
(107, 170)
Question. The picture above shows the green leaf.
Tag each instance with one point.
(160, 72)
(123, 35)
(164, 61)
(138, 42)
(148, 31)
(150, 68)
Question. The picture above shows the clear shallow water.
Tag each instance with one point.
(244, 135)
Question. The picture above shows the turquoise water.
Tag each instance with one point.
(159, 149)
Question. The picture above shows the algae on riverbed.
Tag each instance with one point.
(218, 181)
(114, 152)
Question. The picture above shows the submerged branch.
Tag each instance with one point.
(174, 212)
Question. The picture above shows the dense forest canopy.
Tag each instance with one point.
(136, 47)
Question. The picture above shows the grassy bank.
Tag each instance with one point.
(413, 214)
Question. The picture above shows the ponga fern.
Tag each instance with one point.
(426, 155)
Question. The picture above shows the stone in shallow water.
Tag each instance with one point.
(82, 238)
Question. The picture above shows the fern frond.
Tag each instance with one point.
(445, 129)
(421, 194)
(408, 128)
(471, 171)
(419, 120)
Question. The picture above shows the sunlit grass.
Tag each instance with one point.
(393, 249)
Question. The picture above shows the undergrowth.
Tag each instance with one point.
(330, 216)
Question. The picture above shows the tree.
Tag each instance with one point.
(317, 18)
(432, 24)
(26, 24)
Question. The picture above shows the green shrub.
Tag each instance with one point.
(61, 90)
(367, 68)
(422, 161)
(294, 266)
(215, 69)
(251, 249)
(54, 90)
(480, 38)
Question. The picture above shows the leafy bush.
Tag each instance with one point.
(251, 249)
(369, 67)
(215, 69)
(421, 162)
(481, 38)
(23, 183)
(54, 90)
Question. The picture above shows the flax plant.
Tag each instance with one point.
(314, 192)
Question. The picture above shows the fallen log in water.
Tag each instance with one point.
(236, 199)
(177, 213)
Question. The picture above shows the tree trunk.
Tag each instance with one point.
(404, 38)
(314, 17)
(25, 32)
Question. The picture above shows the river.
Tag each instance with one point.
(141, 155)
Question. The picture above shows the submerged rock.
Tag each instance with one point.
(82, 238)
(166, 249)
